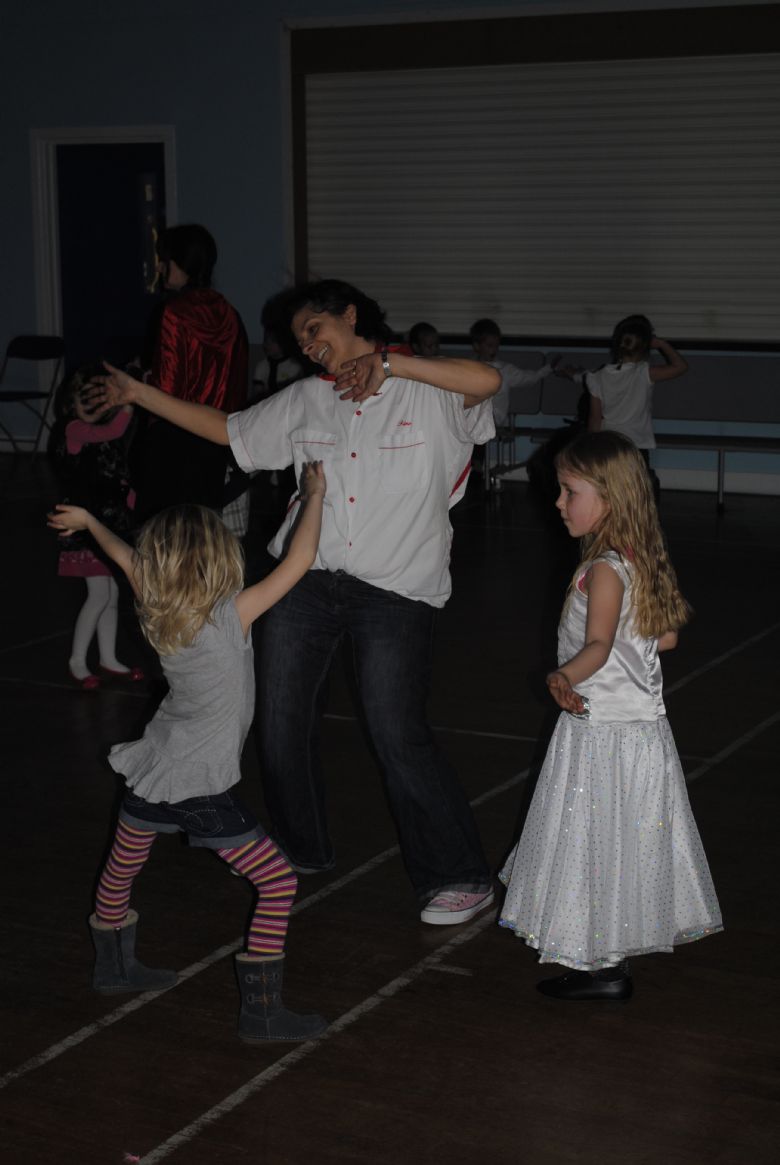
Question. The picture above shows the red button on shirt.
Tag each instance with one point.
(352, 499)
(358, 413)
(353, 454)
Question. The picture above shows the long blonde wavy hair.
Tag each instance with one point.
(188, 561)
(615, 467)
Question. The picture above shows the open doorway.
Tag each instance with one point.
(99, 195)
(111, 209)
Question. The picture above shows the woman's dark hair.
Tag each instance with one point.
(334, 296)
(193, 249)
(631, 338)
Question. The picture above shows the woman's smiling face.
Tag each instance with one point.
(329, 340)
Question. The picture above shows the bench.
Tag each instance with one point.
(728, 389)
(710, 443)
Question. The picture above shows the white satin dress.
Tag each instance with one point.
(610, 862)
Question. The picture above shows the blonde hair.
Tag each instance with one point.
(188, 561)
(615, 467)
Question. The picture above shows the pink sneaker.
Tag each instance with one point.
(450, 907)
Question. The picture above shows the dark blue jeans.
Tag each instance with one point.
(392, 641)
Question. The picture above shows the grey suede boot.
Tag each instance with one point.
(263, 1016)
(116, 967)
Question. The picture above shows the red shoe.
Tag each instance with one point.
(134, 675)
(90, 683)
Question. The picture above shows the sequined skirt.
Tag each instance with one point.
(610, 862)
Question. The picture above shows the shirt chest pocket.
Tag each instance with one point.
(312, 445)
(403, 461)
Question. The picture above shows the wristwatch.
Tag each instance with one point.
(385, 362)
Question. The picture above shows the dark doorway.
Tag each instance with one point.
(111, 208)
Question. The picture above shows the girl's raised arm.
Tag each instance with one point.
(300, 556)
(67, 519)
(675, 363)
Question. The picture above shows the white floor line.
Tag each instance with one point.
(71, 686)
(668, 691)
(139, 1001)
(732, 748)
(719, 659)
(34, 642)
(354, 1015)
(92, 1029)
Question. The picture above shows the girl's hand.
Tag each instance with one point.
(118, 388)
(67, 519)
(569, 371)
(361, 378)
(312, 480)
(564, 694)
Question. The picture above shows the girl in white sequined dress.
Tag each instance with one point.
(610, 863)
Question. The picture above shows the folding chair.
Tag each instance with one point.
(500, 457)
(36, 400)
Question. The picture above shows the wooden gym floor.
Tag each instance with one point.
(440, 1050)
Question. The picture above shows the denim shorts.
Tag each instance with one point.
(216, 822)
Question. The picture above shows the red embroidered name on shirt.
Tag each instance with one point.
(403, 424)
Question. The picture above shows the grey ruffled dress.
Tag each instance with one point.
(610, 862)
(192, 745)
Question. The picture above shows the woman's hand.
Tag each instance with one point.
(312, 480)
(118, 388)
(360, 378)
(564, 694)
(67, 519)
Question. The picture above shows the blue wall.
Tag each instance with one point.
(212, 70)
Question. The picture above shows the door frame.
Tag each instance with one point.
(45, 203)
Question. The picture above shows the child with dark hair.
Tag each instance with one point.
(201, 355)
(424, 340)
(191, 249)
(281, 362)
(621, 393)
(485, 337)
(90, 452)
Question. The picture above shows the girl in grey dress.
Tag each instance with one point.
(610, 863)
(187, 573)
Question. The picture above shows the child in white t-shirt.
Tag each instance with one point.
(485, 340)
(621, 393)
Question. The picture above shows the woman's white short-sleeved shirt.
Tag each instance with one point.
(395, 464)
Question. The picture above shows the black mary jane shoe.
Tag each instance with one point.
(579, 985)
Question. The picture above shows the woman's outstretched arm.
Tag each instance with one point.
(119, 388)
